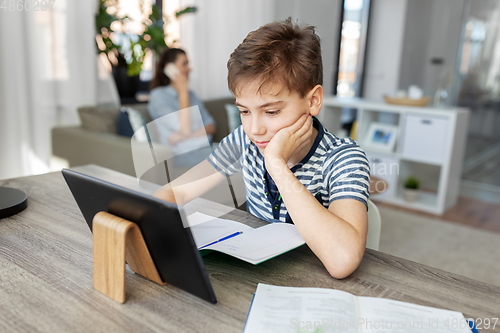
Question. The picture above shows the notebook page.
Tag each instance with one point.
(261, 244)
(387, 316)
(289, 309)
(207, 229)
(197, 218)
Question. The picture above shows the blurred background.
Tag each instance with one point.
(67, 54)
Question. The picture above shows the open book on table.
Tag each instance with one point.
(290, 309)
(241, 241)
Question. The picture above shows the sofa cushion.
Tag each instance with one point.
(143, 109)
(233, 117)
(99, 118)
(217, 110)
(123, 126)
(103, 118)
(130, 122)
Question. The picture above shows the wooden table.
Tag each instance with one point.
(46, 276)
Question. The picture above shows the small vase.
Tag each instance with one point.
(410, 194)
(441, 98)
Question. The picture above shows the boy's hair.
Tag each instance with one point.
(279, 52)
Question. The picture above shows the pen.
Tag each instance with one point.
(222, 239)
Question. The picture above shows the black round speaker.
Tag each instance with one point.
(12, 201)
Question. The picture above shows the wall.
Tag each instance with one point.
(432, 30)
(403, 36)
(416, 33)
(325, 16)
(210, 35)
(384, 48)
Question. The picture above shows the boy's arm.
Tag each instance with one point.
(206, 175)
(195, 182)
(336, 235)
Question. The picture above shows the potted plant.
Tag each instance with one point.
(124, 50)
(411, 188)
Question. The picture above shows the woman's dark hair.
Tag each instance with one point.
(160, 79)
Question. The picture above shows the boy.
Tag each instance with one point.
(294, 170)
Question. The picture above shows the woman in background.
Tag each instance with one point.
(183, 130)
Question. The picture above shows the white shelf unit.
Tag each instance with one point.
(430, 145)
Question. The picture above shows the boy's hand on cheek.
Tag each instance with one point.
(286, 142)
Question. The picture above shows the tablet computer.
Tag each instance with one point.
(170, 244)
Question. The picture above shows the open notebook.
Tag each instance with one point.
(291, 309)
(241, 241)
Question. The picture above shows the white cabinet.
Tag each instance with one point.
(430, 146)
(424, 138)
(386, 168)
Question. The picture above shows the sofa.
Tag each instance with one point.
(95, 141)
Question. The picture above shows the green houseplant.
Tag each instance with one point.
(411, 188)
(124, 50)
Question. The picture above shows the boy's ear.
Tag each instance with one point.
(315, 98)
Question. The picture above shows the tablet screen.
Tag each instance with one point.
(171, 246)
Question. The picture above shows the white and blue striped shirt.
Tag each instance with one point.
(333, 169)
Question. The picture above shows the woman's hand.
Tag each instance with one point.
(286, 142)
(180, 84)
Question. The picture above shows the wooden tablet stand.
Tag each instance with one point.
(116, 240)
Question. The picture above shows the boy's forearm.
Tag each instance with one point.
(335, 242)
(166, 193)
(192, 184)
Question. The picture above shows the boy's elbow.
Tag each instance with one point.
(341, 272)
(343, 266)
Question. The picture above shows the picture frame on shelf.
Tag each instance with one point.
(381, 137)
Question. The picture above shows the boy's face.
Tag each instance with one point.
(264, 113)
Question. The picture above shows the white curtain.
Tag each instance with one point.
(48, 68)
(211, 34)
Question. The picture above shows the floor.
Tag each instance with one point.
(469, 212)
(482, 161)
(482, 153)
(455, 248)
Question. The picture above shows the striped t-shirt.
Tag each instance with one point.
(333, 169)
